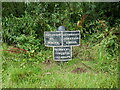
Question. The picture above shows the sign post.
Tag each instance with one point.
(62, 42)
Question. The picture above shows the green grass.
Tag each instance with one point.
(31, 72)
(54, 76)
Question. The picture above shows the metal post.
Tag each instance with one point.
(61, 28)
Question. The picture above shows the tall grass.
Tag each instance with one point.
(33, 74)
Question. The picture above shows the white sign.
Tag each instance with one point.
(62, 53)
(62, 38)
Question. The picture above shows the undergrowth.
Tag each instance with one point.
(21, 72)
(27, 63)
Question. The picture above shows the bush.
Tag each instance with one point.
(21, 32)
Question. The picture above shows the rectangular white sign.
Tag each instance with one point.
(62, 38)
(62, 53)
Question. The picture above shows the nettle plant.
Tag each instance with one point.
(28, 43)
(21, 32)
(107, 39)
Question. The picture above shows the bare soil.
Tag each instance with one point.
(47, 62)
(79, 70)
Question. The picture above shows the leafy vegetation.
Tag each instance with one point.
(27, 63)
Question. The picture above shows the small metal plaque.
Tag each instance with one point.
(62, 53)
(53, 38)
(71, 38)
